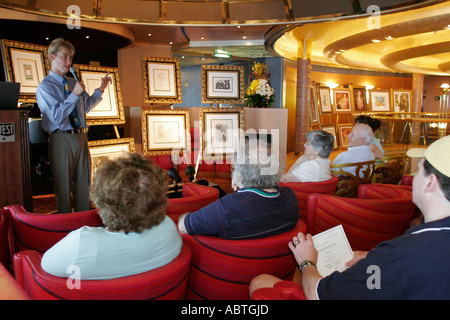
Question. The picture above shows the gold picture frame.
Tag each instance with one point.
(342, 100)
(222, 129)
(380, 101)
(344, 130)
(401, 100)
(162, 80)
(110, 110)
(165, 131)
(108, 149)
(27, 64)
(222, 84)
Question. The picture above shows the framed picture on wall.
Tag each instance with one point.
(331, 129)
(110, 109)
(162, 80)
(222, 84)
(27, 64)
(222, 130)
(108, 149)
(164, 131)
(315, 118)
(344, 130)
(401, 100)
(325, 100)
(359, 99)
(380, 101)
(342, 100)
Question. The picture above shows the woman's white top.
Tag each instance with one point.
(96, 253)
(311, 170)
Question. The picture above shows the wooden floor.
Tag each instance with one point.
(46, 203)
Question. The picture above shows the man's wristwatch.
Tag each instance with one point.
(306, 263)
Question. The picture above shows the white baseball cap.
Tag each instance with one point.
(437, 154)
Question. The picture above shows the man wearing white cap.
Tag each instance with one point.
(413, 266)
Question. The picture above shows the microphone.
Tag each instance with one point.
(72, 70)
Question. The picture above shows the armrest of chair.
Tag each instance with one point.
(33, 256)
(282, 290)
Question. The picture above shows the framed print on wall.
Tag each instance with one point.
(222, 84)
(401, 100)
(331, 129)
(162, 80)
(25, 63)
(325, 100)
(342, 100)
(359, 99)
(380, 101)
(315, 118)
(110, 109)
(344, 131)
(164, 131)
(222, 130)
(108, 149)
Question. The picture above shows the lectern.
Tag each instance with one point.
(15, 170)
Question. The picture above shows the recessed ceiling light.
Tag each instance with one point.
(388, 38)
(170, 42)
(244, 37)
(87, 37)
(203, 38)
(376, 40)
(149, 34)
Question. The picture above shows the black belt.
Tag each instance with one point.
(71, 131)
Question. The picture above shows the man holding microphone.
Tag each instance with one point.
(63, 103)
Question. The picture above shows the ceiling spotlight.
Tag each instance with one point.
(149, 34)
(244, 37)
(376, 40)
(389, 38)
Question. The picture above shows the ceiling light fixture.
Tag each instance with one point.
(376, 40)
(221, 54)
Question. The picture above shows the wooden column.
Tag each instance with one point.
(416, 105)
(303, 104)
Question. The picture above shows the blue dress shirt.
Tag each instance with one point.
(55, 108)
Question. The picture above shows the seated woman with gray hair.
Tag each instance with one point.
(314, 164)
(131, 196)
(259, 208)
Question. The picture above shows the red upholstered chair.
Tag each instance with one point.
(407, 180)
(380, 213)
(282, 290)
(222, 269)
(194, 196)
(40, 232)
(165, 283)
(302, 189)
(4, 251)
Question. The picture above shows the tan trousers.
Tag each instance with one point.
(70, 163)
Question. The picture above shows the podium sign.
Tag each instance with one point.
(7, 132)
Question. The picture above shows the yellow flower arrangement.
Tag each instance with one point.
(259, 93)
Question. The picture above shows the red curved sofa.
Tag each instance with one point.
(302, 189)
(379, 213)
(165, 283)
(222, 269)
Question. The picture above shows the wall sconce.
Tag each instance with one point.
(332, 85)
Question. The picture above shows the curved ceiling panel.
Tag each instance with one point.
(415, 41)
